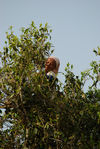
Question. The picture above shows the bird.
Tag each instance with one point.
(51, 67)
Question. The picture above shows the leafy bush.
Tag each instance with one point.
(39, 114)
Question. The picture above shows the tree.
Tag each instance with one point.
(39, 114)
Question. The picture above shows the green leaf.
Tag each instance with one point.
(35, 130)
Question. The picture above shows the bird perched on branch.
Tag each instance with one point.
(51, 67)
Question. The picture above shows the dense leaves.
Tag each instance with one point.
(36, 113)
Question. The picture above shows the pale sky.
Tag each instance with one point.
(75, 25)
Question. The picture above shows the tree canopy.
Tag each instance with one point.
(36, 113)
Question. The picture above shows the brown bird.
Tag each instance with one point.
(52, 66)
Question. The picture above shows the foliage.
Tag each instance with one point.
(39, 114)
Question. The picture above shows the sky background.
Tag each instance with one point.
(75, 25)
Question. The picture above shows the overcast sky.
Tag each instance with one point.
(75, 25)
